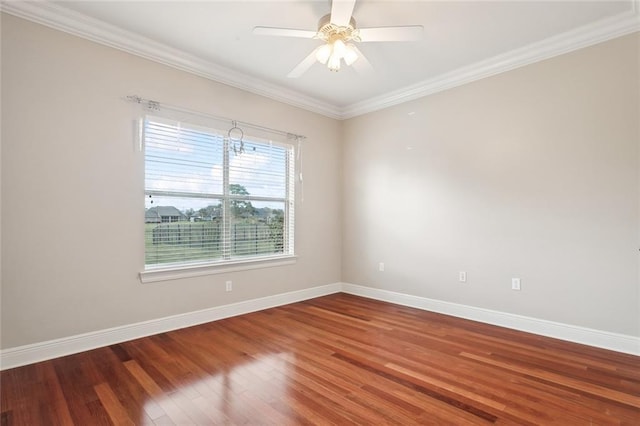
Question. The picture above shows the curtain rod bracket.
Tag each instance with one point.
(149, 104)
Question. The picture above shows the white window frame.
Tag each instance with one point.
(178, 270)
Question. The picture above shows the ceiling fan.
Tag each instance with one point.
(338, 32)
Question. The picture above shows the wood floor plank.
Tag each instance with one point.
(78, 390)
(60, 409)
(607, 393)
(338, 359)
(114, 408)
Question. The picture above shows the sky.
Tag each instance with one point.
(189, 159)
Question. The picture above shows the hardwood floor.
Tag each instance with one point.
(338, 359)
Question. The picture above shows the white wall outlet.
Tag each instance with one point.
(381, 267)
(229, 285)
(515, 283)
(462, 276)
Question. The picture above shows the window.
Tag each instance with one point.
(214, 197)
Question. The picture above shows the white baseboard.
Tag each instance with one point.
(29, 354)
(587, 336)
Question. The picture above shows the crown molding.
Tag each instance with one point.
(63, 19)
(60, 18)
(588, 35)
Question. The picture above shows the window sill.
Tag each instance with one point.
(178, 272)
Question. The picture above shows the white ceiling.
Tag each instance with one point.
(462, 41)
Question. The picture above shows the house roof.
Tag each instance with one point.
(161, 211)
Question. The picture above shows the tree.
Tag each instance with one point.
(240, 208)
(210, 212)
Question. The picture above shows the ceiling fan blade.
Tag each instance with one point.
(341, 11)
(284, 32)
(303, 66)
(405, 33)
(361, 65)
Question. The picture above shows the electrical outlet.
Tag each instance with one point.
(515, 284)
(381, 267)
(229, 285)
(462, 276)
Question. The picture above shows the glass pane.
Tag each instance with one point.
(260, 170)
(182, 230)
(185, 218)
(182, 159)
(256, 228)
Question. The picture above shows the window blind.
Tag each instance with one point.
(213, 198)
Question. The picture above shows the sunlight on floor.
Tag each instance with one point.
(223, 395)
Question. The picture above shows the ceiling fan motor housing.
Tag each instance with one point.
(330, 32)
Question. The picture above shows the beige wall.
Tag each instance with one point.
(72, 189)
(530, 174)
(533, 173)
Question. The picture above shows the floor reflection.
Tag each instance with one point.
(218, 386)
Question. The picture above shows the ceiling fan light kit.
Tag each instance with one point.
(337, 46)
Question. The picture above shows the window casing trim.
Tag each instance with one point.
(168, 271)
(201, 269)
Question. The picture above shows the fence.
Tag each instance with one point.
(245, 238)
